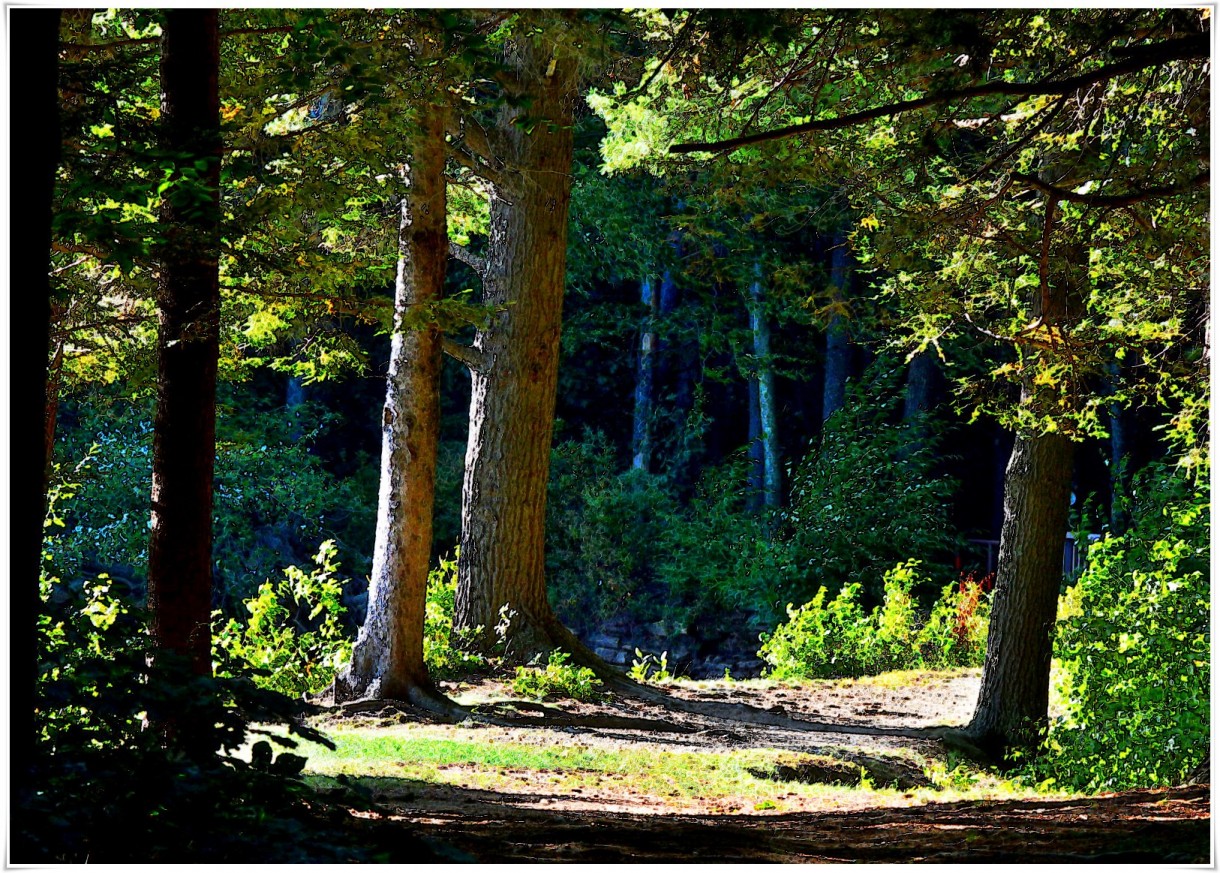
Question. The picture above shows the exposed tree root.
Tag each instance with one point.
(556, 718)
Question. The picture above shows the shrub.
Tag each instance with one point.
(294, 639)
(836, 639)
(443, 659)
(955, 634)
(867, 496)
(110, 783)
(557, 679)
(1134, 644)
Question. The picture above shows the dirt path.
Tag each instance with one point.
(534, 820)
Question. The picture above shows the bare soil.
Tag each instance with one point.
(536, 820)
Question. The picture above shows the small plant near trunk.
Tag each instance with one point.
(557, 679)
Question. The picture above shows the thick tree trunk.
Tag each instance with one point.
(769, 437)
(838, 344)
(1012, 707)
(501, 565)
(34, 62)
(641, 435)
(388, 657)
(188, 307)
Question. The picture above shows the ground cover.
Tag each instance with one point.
(624, 779)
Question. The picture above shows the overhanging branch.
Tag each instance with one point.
(468, 355)
(469, 258)
(1114, 201)
(1186, 48)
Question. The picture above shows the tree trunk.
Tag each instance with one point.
(838, 345)
(188, 306)
(769, 437)
(922, 378)
(512, 407)
(1012, 707)
(34, 62)
(758, 460)
(388, 657)
(641, 437)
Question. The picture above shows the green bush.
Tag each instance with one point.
(603, 547)
(294, 638)
(557, 679)
(837, 639)
(955, 634)
(1134, 644)
(108, 783)
(444, 659)
(866, 497)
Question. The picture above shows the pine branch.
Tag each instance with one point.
(1186, 48)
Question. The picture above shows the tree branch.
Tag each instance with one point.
(469, 258)
(468, 355)
(1186, 48)
(1114, 201)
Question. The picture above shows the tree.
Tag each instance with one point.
(34, 36)
(764, 395)
(514, 360)
(188, 313)
(388, 657)
(1019, 177)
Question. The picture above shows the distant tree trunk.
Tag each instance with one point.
(838, 344)
(758, 461)
(1012, 706)
(188, 307)
(1120, 462)
(388, 657)
(641, 436)
(769, 437)
(501, 562)
(922, 379)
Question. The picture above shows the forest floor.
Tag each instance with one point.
(625, 780)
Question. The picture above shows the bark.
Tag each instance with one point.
(758, 462)
(501, 565)
(838, 345)
(769, 436)
(1012, 707)
(641, 435)
(34, 62)
(188, 304)
(388, 657)
(923, 376)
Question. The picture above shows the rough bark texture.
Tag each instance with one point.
(1012, 707)
(838, 345)
(188, 304)
(641, 436)
(388, 657)
(512, 406)
(769, 436)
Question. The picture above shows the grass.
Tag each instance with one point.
(398, 760)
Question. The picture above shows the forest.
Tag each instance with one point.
(602, 435)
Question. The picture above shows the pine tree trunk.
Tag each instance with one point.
(641, 436)
(1012, 707)
(388, 657)
(188, 306)
(758, 461)
(501, 562)
(769, 437)
(838, 345)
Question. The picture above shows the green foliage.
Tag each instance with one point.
(603, 548)
(294, 640)
(137, 758)
(557, 679)
(642, 663)
(1134, 643)
(273, 495)
(444, 658)
(838, 639)
(867, 496)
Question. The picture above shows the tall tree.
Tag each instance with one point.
(838, 341)
(188, 315)
(388, 657)
(768, 437)
(641, 429)
(501, 563)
